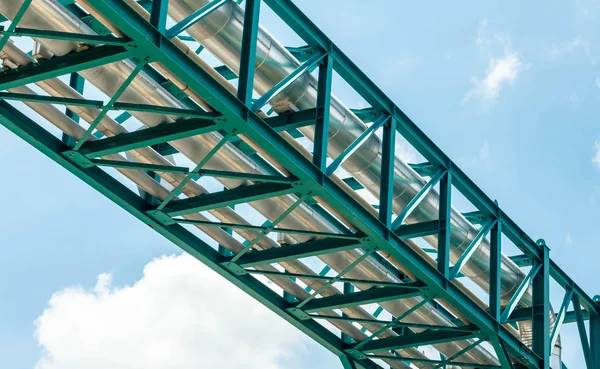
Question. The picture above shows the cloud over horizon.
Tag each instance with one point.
(179, 312)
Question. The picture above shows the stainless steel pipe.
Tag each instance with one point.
(345, 126)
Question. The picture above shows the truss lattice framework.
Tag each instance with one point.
(310, 178)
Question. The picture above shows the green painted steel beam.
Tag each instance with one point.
(356, 78)
(458, 364)
(449, 360)
(226, 73)
(418, 339)
(260, 228)
(293, 120)
(424, 169)
(15, 21)
(502, 353)
(541, 309)
(415, 230)
(370, 296)
(77, 83)
(248, 52)
(356, 144)
(194, 17)
(159, 14)
(470, 250)
(225, 198)
(367, 115)
(445, 224)
(495, 290)
(287, 81)
(595, 340)
(177, 190)
(475, 217)
(522, 314)
(148, 137)
(560, 318)
(353, 281)
(68, 36)
(296, 309)
(392, 323)
(297, 251)
(113, 99)
(59, 66)
(386, 185)
(523, 287)
(246, 176)
(239, 117)
(355, 350)
(583, 337)
(186, 113)
(419, 197)
(521, 260)
(140, 166)
(567, 283)
(28, 130)
(260, 132)
(353, 183)
(321, 140)
(14, 96)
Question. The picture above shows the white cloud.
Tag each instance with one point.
(597, 82)
(568, 240)
(501, 71)
(180, 314)
(596, 158)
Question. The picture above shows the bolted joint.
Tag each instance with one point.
(160, 217)
(356, 354)
(234, 268)
(298, 313)
(81, 161)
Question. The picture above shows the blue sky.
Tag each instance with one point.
(509, 90)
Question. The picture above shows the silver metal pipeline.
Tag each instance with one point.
(106, 81)
(48, 14)
(147, 155)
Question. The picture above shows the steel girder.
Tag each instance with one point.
(147, 41)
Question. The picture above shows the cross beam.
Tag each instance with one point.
(419, 339)
(370, 296)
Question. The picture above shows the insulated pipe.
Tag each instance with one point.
(221, 34)
(101, 74)
(107, 82)
(145, 182)
(110, 128)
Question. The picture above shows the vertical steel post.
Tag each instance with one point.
(445, 208)
(248, 56)
(158, 14)
(77, 83)
(541, 309)
(495, 260)
(595, 339)
(323, 102)
(348, 288)
(386, 192)
(583, 337)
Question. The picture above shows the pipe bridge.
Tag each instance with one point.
(203, 126)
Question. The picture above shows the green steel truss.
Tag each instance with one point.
(311, 179)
